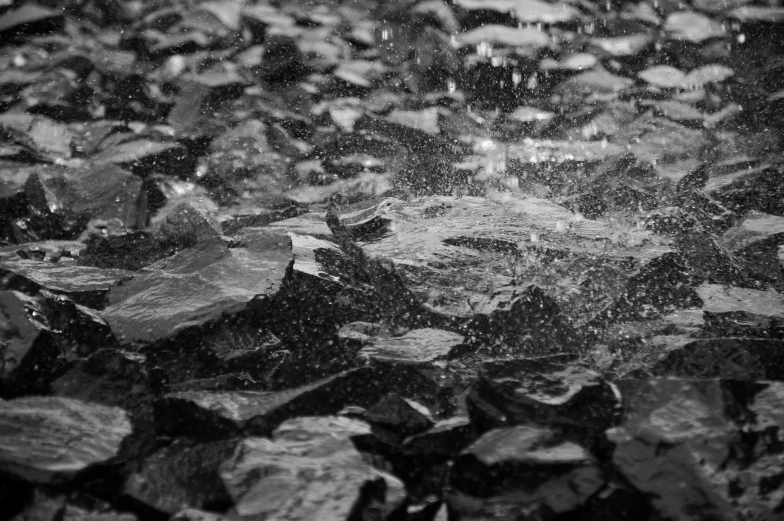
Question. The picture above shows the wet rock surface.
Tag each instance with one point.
(415, 261)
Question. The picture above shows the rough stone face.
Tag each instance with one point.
(524, 245)
(181, 475)
(221, 414)
(29, 350)
(309, 470)
(702, 447)
(553, 391)
(50, 439)
(522, 471)
(399, 416)
(195, 286)
(418, 346)
(82, 284)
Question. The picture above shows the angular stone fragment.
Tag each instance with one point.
(310, 471)
(102, 192)
(196, 285)
(113, 378)
(692, 27)
(49, 439)
(181, 475)
(444, 439)
(187, 223)
(551, 390)
(678, 445)
(718, 298)
(415, 347)
(84, 285)
(28, 349)
(211, 414)
(753, 228)
(521, 471)
(73, 513)
(526, 11)
(744, 359)
(399, 416)
(466, 257)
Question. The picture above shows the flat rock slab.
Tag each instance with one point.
(470, 255)
(82, 284)
(718, 298)
(415, 347)
(47, 439)
(196, 285)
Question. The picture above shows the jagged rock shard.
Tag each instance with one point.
(259, 412)
(196, 285)
(309, 471)
(48, 439)
(401, 416)
(28, 345)
(495, 474)
(554, 390)
(679, 440)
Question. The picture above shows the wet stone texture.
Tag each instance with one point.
(429, 260)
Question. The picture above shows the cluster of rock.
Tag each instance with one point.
(498, 259)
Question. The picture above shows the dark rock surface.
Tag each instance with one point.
(409, 261)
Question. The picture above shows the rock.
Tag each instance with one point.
(113, 378)
(73, 513)
(192, 514)
(418, 346)
(755, 227)
(522, 471)
(623, 45)
(444, 439)
(44, 506)
(501, 35)
(182, 475)
(727, 299)
(556, 391)
(30, 18)
(30, 352)
(257, 413)
(309, 470)
(591, 86)
(50, 439)
(196, 285)
(144, 156)
(663, 76)
(741, 189)
(743, 359)
(525, 11)
(282, 60)
(186, 223)
(83, 285)
(80, 329)
(692, 27)
(437, 245)
(701, 423)
(399, 416)
(103, 192)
